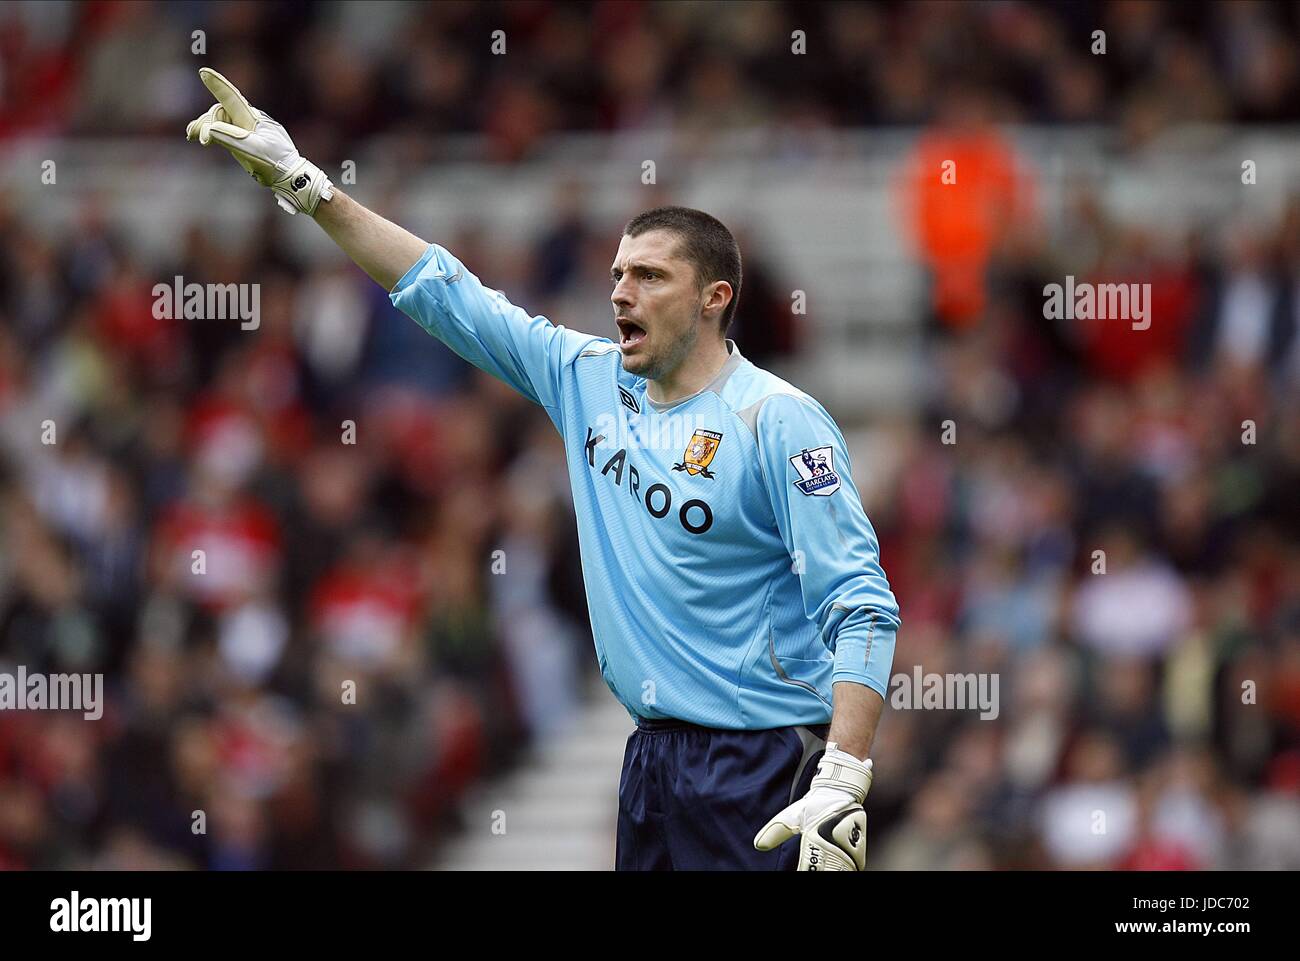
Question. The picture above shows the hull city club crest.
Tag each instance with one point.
(699, 453)
(816, 469)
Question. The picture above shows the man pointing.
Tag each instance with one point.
(738, 605)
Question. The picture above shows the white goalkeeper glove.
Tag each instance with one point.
(261, 145)
(829, 817)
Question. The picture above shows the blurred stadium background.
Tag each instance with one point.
(479, 693)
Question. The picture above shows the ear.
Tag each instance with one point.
(716, 297)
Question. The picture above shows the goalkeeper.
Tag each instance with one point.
(738, 605)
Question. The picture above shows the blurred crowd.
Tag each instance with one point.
(339, 663)
(388, 606)
(340, 73)
(1108, 520)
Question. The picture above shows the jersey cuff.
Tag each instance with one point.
(857, 677)
(866, 656)
(408, 278)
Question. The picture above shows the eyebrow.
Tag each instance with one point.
(639, 265)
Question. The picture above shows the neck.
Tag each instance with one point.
(699, 367)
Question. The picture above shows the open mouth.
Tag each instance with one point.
(630, 334)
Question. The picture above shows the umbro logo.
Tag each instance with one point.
(628, 400)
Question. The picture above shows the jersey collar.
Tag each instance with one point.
(734, 360)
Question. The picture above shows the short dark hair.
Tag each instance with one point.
(705, 242)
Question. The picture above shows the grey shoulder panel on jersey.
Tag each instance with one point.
(750, 414)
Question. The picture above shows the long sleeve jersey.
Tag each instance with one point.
(731, 573)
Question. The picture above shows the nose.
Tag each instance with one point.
(622, 295)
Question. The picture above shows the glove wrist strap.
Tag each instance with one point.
(303, 188)
(844, 772)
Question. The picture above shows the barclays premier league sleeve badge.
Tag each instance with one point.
(816, 469)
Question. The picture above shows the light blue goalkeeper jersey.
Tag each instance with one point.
(731, 573)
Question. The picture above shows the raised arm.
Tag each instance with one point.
(425, 281)
(382, 249)
(263, 147)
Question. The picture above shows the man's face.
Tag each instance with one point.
(657, 304)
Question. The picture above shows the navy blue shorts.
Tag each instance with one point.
(692, 798)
